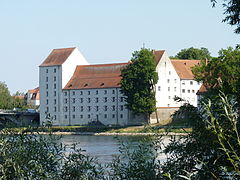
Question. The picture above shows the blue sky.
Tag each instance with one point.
(103, 30)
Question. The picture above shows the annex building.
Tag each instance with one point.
(76, 93)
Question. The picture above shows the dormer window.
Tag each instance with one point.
(102, 84)
(70, 85)
(85, 85)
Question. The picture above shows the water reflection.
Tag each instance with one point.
(103, 147)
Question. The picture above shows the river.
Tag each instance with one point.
(102, 147)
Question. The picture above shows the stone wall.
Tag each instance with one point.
(164, 115)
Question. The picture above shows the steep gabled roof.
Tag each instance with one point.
(184, 67)
(202, 90)
(158, 55)
(33, 90)
(57, 57)
(96, 76)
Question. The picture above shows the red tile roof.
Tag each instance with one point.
(96, 76)
(33, 90)
(158, 55)
(57, 57)
(202, 90)
(184, 67)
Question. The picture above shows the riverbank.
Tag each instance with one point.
(106, 131)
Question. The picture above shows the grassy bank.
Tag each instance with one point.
(99, 129)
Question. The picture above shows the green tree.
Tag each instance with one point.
(138, 82)
(193, 53)
(5, 97)
(221, 72)
(232, 12)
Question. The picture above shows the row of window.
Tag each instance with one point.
(54, 78)
(96, 108)
(89, 92)
(175, 88)
(96, 99)
(54, 93)
(54, 86)
(54, 70)
(89, 116)
(189, 91)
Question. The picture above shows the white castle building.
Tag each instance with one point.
(76, 93)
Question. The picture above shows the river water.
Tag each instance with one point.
(104, 148)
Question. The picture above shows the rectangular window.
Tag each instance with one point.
(81, 108)
(46, 70)
(175, 89)
(168, 88)
(89, 92)
(54, 79)
(96, 100)
(55, 93)
(121, 99)
(55, 86)
(97, 108)
(46, 79)
(105, 108)
(121, 115)
(74, 108)
(46, 101)
(89, 116)
(81, 93)
(121, 108)
(191, 82)
(55, 109)
(55, 101)
(65, 100)
(96, 91)
(47, 93)
(88, 100)
(169, 97)
(73, 116)
(105, 99)
(81, 100)
(113, 116)
(81, 116)
(65, 93)
(55, 70)
(55, 117)
(113, 99)
(175, 80)
(113, 108)
(46, 86)
(47, 109)
(169, 72)
(168, 80)
(159, 88)
(73, 93)
(73, 100)
(89, 108)
(65, 108)
(105, 115)
(113, 91)
(65, 116)
(183, 83)
(193, 91)
(188, 90)
(183, 90)
(105, 91)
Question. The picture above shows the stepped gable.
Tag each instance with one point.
(158, 55)
(183, 67)
(57, 57)
(96, 76)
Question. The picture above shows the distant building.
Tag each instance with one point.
(33, 97)
(76, 93)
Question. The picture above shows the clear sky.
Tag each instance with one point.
(103, 30)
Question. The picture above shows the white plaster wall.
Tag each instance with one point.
(69, 66)
(167, 78)
(74, 115)
(189, 89)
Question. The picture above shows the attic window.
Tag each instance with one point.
(70, 85)
(102, 84)
(185, 63)
(85, 85)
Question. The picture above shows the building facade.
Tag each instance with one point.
(76, 93)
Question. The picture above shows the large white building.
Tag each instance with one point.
(75, 93)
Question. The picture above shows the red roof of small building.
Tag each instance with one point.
(184, 67)
(33, 90)
(202, 90)
(57, 57)
(96, 76)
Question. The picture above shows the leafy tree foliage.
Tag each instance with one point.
(5, 97)
(138, 82)
(221, 72)
(232, 12)
(193, 53)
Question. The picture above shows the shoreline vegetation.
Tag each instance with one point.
(107, 131)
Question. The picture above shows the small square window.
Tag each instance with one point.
(193, 91)
(89, 116)
(191, 82)
(105, 115)
(188, 91)
(81, 116)
(73, 116)
(105, 91)
(113, 91)
(168, 80)
(96, 99)
(97, 108)
(113, 108)
(121, 115)
(81, 93)
(183, 90)
(122, 99)
(81, 108)
(73, 93)
(88, 100)
(65, 100)
(113, 116)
